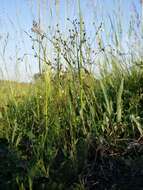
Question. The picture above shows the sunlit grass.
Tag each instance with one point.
(51, 123)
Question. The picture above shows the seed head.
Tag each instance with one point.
(37, 29)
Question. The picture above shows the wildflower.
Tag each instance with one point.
(37, 29)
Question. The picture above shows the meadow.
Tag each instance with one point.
(71, 128)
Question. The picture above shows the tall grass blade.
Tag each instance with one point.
(119, 101)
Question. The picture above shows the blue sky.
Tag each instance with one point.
(16, 16)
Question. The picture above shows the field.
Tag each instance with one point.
(71, 127)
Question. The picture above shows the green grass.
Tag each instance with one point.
(51, 129)
(47, 128)
(12, 89)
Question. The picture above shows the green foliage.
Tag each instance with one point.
(51, 124)
(48, 130)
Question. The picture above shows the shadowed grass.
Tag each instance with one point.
(67, 117)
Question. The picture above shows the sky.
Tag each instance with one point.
(16, 18)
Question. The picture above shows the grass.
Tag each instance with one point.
(51, 127)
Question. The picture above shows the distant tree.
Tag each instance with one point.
(37, 76)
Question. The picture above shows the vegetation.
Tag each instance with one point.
(68, 120)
